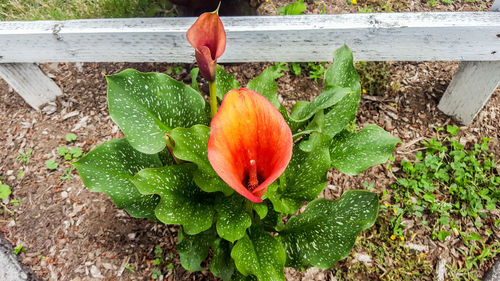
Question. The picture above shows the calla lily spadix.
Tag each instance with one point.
(250, 143)
(208, 37)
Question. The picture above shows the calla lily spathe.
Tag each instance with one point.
(208, 37)
(250, 143)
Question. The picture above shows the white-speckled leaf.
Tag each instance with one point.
(342, 74)
(194, 76)
(191, 145)
(193, 249)
(232, 219)
(224, 82)
(109, 167)
(182, 202)
(146, 106)
(353, 153)
(260, 254)
(303, 179)
(328, 98)
(265, 84)
(222, 264)
(260, 209)
(325, 233)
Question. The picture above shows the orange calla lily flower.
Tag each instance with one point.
(208, 37)
(250, 143)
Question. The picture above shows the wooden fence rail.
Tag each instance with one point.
(469, 37)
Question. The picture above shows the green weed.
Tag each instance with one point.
(446, 185)
(82, 9)
(375, 77)
(296, 8)
(5, 191)
(314, 70)
(24, 157)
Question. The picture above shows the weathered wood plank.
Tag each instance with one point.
(30, 82)
(470, 89)
(373, 37)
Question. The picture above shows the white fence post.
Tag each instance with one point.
(28, 80)
(471, 86)
(470, 89)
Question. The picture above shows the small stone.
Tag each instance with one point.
(9, 172)
(95, 272)
(49, 108)
(131, 236)
(64, 195)
(363, 258)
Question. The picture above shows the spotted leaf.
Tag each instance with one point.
(342, 74)
(325, 233)
(222, 264)
(232, 219)
(109, 167)
(260, 254)
(193, 249)
(303, 180)
(146, 106)
(225, 82)
(191, 145)
(352, 153)
(328, 98)
(265, 84)
(182, 202)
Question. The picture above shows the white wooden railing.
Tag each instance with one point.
(472, 38)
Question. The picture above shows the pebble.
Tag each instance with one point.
(64, 195)
(131, 236)
(363, 258)
(95, 272)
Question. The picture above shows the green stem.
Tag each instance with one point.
(249, 209)
(213, 98)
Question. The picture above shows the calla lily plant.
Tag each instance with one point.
(234, 177)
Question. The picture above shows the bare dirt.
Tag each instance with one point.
(71, 233)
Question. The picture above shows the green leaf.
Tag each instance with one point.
(194, 75)
(224, 82)
(265, 84)
(62, 150)
(328, 98)
(76, 152)
(222, 264)
(342, 74)
(193, 249)
(109, 167)
(453, 130)
(4, 191)
(261, 209)
(352, 153)
(232, 219)
(325, 233)
(182, 202)
(260, 254)
(146, 106)
(303, 179)
(70, 137)
(51, 164)
(191, 145)
(296, 8)
(273, 219)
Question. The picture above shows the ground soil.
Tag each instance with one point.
(71, 233)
